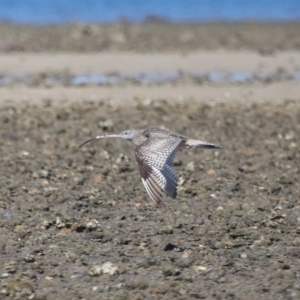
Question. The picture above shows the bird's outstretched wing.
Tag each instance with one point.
(155, 158)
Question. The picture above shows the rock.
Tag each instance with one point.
(107, 268)
(171, 271)
(166, 230)
(187, 253)
(190, 166)
(93, 224)
(106, 125)
(200, 269)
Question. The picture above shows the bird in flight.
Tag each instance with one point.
(155, 152)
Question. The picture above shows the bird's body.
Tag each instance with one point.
(155, 151)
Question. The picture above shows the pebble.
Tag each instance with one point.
(200, 269)
(107, 268)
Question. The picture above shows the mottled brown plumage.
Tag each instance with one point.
(155, 151)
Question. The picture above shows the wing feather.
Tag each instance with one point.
(171, 184)
(155, 158)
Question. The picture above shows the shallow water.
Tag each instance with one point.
(148, 78)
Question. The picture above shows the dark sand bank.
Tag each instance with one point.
(151, 37)
(233, 232)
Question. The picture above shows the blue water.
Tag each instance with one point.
(151, 78)
(62, 11)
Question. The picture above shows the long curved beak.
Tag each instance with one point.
(99, 137)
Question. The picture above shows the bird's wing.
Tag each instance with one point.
(155, 158)
(170, 159)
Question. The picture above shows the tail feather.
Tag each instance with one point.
(199, 144)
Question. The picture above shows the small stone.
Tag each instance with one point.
(181, 181)
(93, 224)
(10, 266)
(122, 158)
(24, 153)
(95, 270)
(211, 172)
(30, 297)
(186, 253)
(106, 268)
(46, 224)
(109, 268)
(104, 154)
(289, 136)
(45, 182)
(119, 285)
(50, 190)
(106, 125)
(262, 188)
(190, 166)
(200, 269)
(29, 258)
(143, 245)
(243, 255)
(43, 173)
(166, 230)
(171, 272)
(49, 278)
(60, 223)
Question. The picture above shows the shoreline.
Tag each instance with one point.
(41, 65)
(64, 51)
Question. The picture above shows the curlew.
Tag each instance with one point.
(155, 151)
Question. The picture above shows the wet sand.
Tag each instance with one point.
(78, 224)
(210, 94)
(123, 62)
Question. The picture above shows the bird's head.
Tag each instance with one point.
(127, 134)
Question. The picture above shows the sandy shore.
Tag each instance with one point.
(200, 61)
(82, 49)
(220, 61)
(256, 93)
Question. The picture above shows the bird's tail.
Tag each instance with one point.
(189, 143)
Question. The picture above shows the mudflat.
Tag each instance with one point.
(78, 223)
